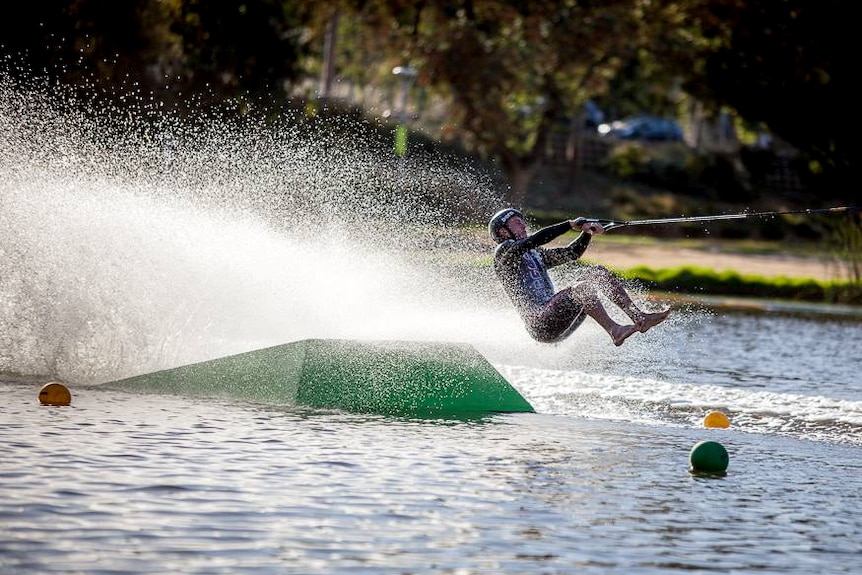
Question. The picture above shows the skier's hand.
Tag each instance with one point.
(591, 227)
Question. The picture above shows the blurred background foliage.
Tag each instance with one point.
(762, 91)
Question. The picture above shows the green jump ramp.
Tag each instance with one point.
(384, 377)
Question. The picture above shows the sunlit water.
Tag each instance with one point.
(121, 255)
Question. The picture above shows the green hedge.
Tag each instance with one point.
(707, 281)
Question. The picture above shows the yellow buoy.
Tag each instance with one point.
(716, 419)
(55, 393)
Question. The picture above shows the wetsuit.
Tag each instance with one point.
(522, 267)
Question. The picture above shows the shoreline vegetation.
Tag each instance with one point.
(748, 275)
(770, 276)
(745, 269)
(811, 260)
(705, 281)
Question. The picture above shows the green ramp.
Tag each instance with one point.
(385, 377)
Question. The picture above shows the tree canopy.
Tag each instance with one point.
(506, 71)
(785, 64)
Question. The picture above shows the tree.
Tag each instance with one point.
(173, 49)
(785, 64)
(241, 47)
(510, 70)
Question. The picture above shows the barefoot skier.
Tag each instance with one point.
(521, 264)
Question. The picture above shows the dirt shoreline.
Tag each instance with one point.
(718, 256)
(621, 256)
(625, 256)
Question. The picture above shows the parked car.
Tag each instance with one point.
(643, 127)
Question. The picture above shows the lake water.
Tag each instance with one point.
(126, 257)
(596, 481)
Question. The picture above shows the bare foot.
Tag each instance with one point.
(651, 319)
(621, 333)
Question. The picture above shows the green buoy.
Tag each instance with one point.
(709, 457)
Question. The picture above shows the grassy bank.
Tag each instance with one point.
(705, 281)
(701, 280)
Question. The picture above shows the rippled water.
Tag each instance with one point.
(772, 373)
(122, 483)
(596, 481)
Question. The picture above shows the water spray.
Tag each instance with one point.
(130, 243)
